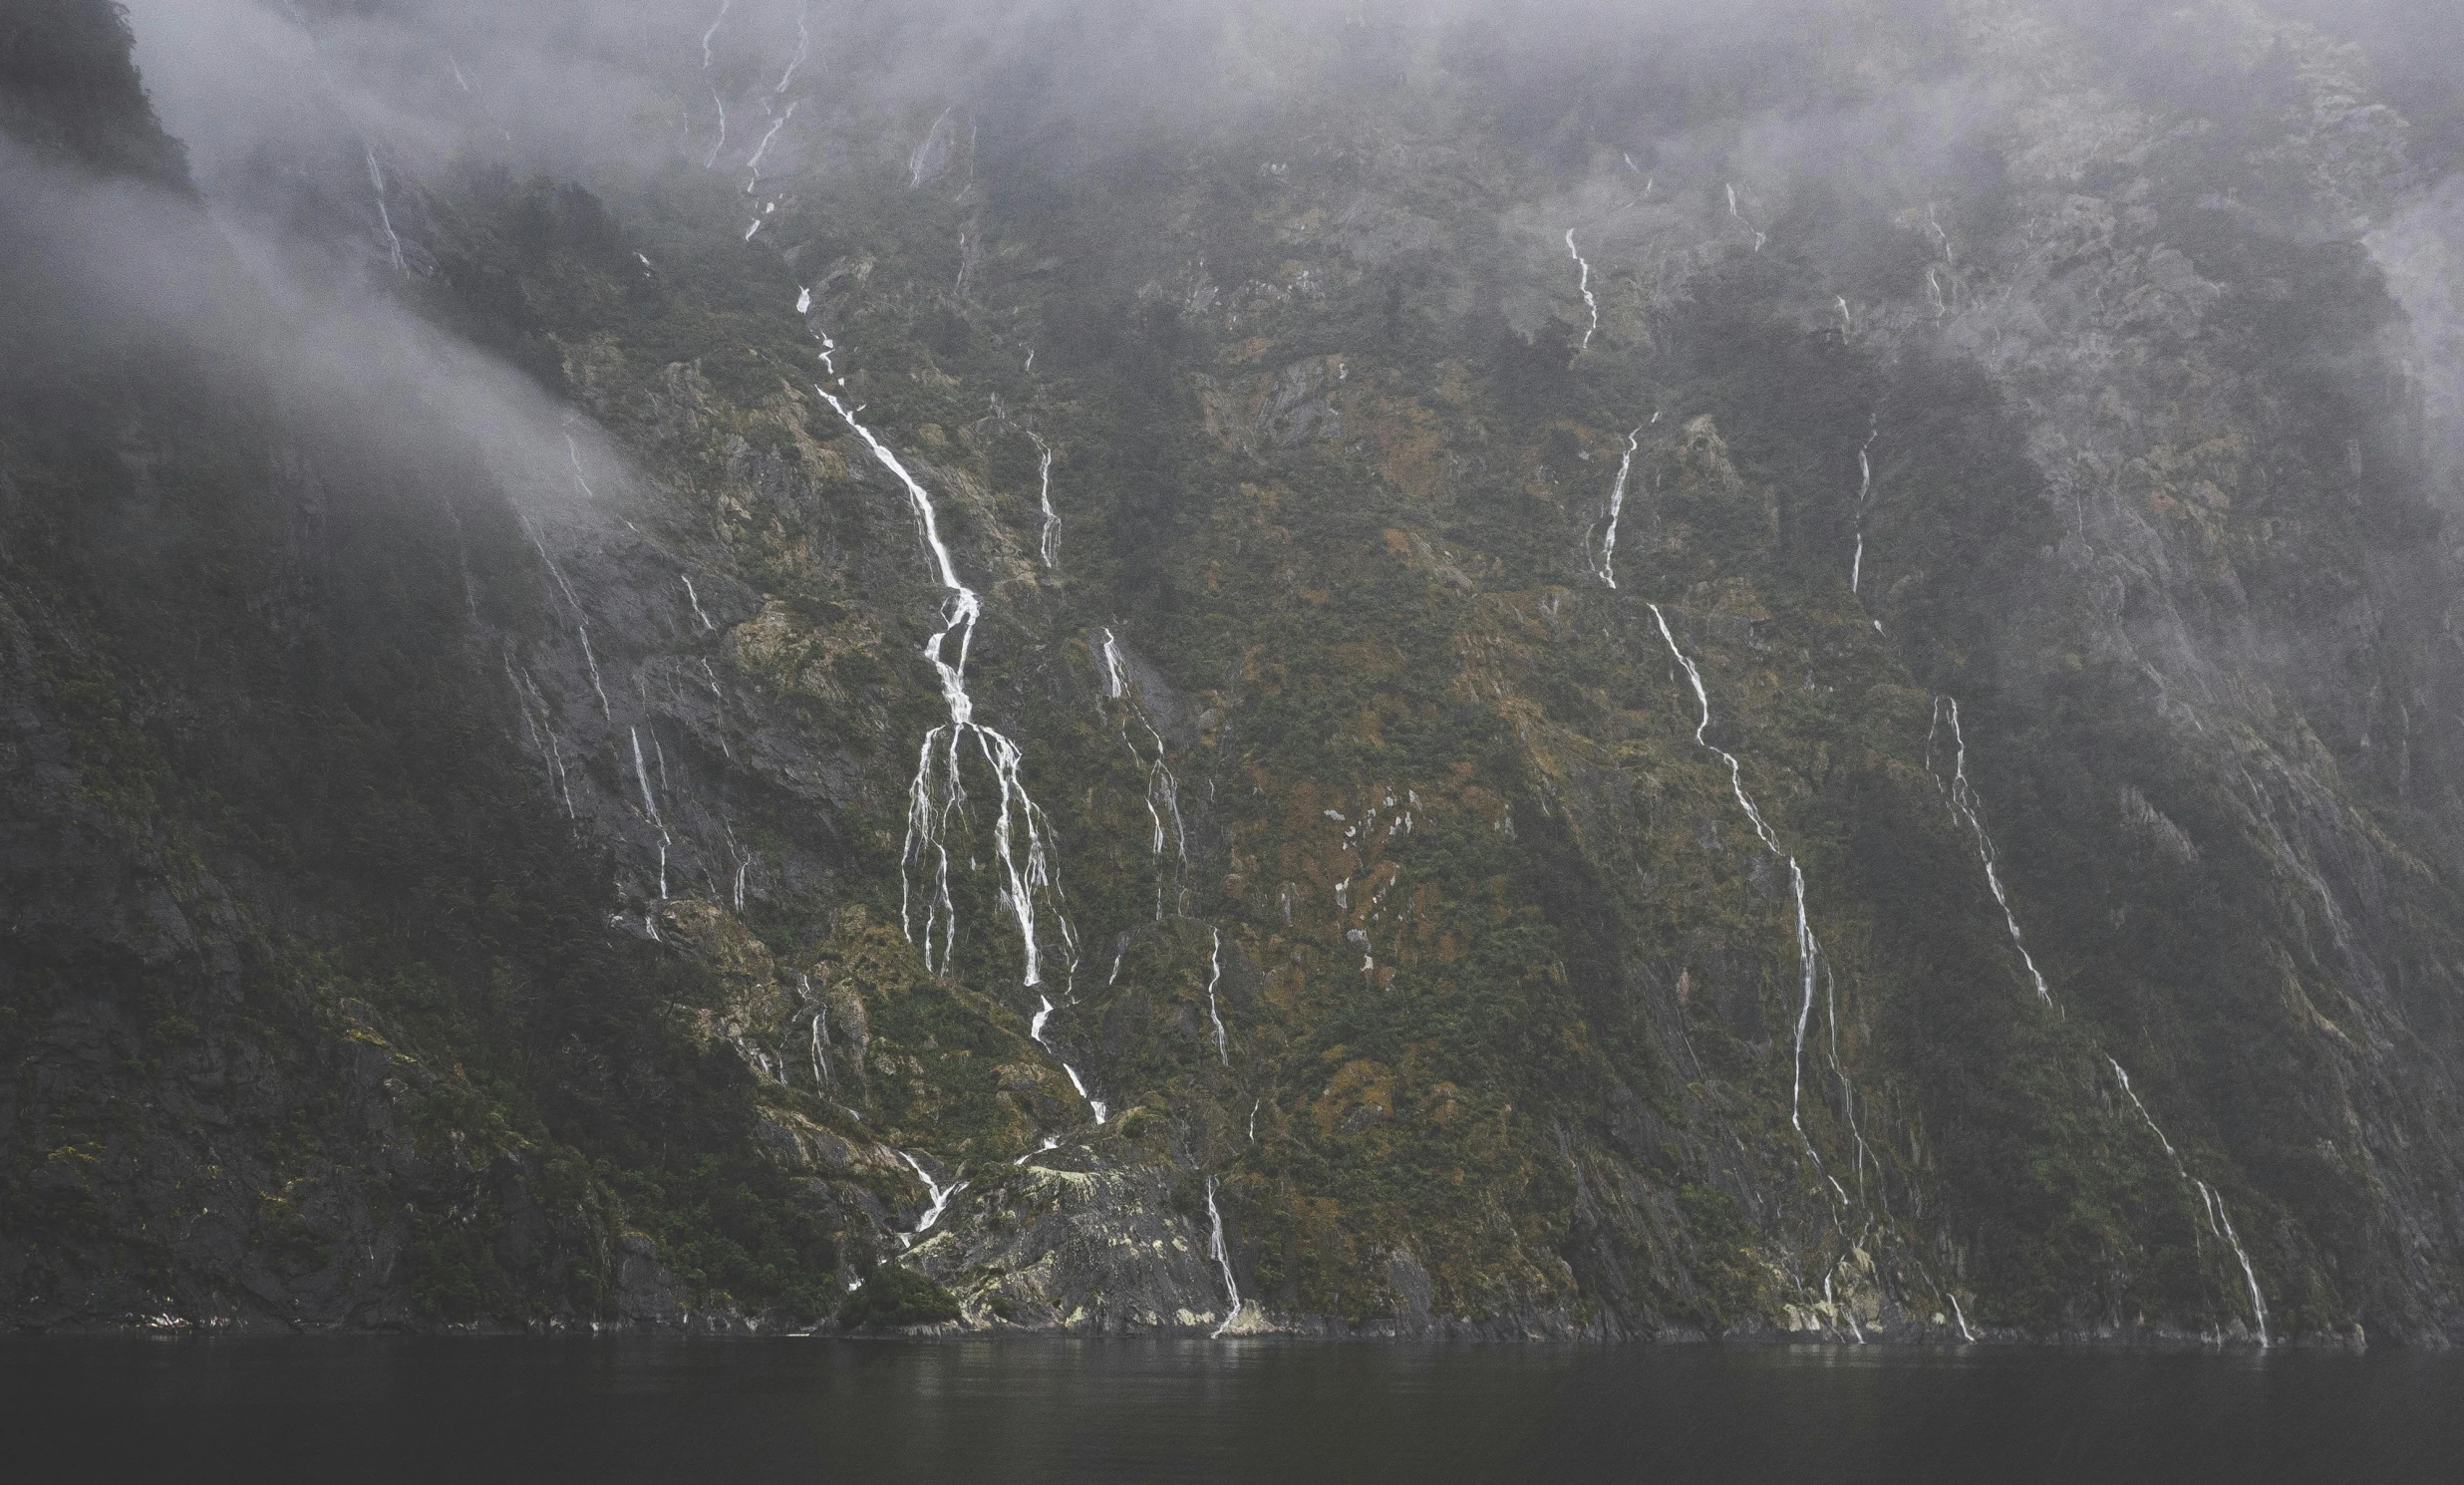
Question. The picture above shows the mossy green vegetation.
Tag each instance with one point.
(892, 1298)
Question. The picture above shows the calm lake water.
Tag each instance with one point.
(1057, 1411)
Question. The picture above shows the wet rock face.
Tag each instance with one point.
(1097, 1249)
(1862, 756)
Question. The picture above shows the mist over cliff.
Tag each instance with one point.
(1503, 669)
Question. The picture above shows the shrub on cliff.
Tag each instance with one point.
(897, 1297)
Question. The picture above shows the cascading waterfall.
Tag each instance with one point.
(574, 452)
(1221, 1252)
(714, 31)
(589, 657)
(539, 544)
(940, 1199)
(1865, 485)
(711, 162)
(1963, 803)
(1848, 1096)
(649, 806)
(641, 773)
(920, 160)
(1808, 950)
(707, 625)
(1961, 1316)
(581, 626)
(753, 166)
(820, 1032)
(1162, 789)
(393, 240)
(1583, 285)
(542, 729)
(573, 455)
(743, 859)
(1616, 506)
(1035, 1032)
(1759, 237)
(804, 45)
(2220, 1222)
(2250, 1275)
(1855, 1330)
(1214, 974)
(1050, 547)
(938, 792)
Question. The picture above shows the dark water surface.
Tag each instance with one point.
(365, 1408)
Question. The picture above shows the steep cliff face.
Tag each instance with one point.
(1587, 678)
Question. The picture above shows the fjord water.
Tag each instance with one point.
(1058, 1410)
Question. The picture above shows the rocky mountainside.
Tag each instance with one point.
(1535, 671)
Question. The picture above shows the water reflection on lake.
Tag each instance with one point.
(364, 1408)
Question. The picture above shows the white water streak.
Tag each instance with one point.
(753, 166)
(941, 1199)
(921, 158)
(2219, 1221)
(1583, 285)
(650, 805)
(1050, 547)
(1865, 486)
(714, 31)
(1222, 1254)
(574, 452)
(1964, 803)
(1960, 1315)
(392, 240)
(1214, 974)
(591, 660)
(1808, 950)
(1035, 1032)
(938, 792)
(2250, 1275)
(804, 45)
(1616, 506)
(1162, 789)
